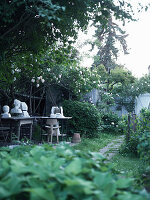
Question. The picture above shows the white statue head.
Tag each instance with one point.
(6, 112)
(24, 106)
(17, 103)
(6, 109)
(16, 109)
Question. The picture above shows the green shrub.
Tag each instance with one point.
(44, 173)
(139, 141)
(112, 123)
(143, 121)
(144, 146)
(131, 146)
(85, 117)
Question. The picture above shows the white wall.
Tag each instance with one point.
(142, 101)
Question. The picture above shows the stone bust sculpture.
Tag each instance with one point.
(24, 109)
(6, 112)
(16, 109)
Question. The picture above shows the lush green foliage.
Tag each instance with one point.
(112, 123)
(85, 117)
(61, 173)
(59, 66)
(131, 146)
(127, 92)
(139, 141)
(142, 85)
(106, 40)
(32, 25)
(119, 84)
(144, 146)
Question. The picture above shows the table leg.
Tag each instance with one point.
(18, 131)
(10, 132)
(31, 132)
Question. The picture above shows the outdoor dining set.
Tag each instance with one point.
(18, 117)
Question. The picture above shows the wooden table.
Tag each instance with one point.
(18, 122)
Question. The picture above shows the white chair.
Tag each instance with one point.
(52, 126)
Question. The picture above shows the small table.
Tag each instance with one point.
(18, 122)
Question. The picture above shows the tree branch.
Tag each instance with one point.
(14, 27)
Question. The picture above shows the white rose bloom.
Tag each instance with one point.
(32, 80)
(37, 85)
(42, 80)
(14, 78)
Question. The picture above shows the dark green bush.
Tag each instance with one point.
(112, 123)
(143, 121)
(131, 146)
(85, 117)
(144, 146)
(139, 141)
(45, 173)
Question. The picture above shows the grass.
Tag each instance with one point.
(95, 144)
(133, 167)
(127, 164)
(130, 165)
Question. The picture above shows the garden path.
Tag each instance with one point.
(112, 148)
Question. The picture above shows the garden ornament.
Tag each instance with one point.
(56, 112)
(6, 112)
(24, 109)
(16, 110)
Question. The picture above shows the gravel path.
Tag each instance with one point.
(112, 148)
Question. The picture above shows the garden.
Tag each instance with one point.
(41, 65)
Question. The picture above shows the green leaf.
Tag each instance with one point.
(10, 185)
(75, 167)
(41, 194)
(124, 183)
(105, 181)
(130, 196)
(79, 185)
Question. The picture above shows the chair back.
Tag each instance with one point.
(56, 110)
(52, 122)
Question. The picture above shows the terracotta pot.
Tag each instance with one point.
(76, 138)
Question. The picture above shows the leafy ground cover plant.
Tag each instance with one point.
(85, 117)
(61, 173)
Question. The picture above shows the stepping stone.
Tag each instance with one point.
(112, 148)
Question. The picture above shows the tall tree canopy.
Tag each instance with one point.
(107, 39)
(34, 24)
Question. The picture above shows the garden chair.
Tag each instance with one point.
(4, 132)
(52, 126)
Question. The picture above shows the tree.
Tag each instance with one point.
(120, 89)
(106, 41)
(31, 25)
